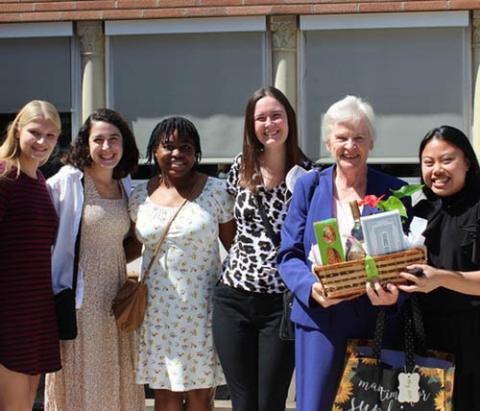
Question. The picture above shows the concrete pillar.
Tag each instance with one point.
(92, 48)
(476, 80)
(284, 55)
(284, 69)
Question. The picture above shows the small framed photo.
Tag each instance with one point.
(383, 233)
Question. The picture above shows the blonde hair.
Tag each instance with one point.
(347, 109)
(33, 110)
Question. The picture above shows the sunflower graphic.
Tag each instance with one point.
(429, 372)
(345, 376)
(369, 361)
(449, 389)
(344, 392)
(449, 376)
(348, 368)
(440, 401)
(351, 349)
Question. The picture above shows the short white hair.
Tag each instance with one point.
(350, 108)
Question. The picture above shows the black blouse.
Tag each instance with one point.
(453, 243)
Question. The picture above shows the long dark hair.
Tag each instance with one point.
(164, 130)
(252, 147)
(458, 139)
(79, 154)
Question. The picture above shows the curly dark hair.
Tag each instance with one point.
(164, 130)
(79, 156)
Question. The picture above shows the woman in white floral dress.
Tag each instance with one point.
(176, 347)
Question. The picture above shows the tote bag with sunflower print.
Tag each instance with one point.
(376, 379)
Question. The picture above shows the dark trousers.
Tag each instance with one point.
(258, 365)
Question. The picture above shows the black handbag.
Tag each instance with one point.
(287, 330)
(66, 315)
(65, 300)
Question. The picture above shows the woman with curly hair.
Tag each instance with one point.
(28, 329)
(90, 194)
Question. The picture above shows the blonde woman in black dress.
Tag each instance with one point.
(28, 326)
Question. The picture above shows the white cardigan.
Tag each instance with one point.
(66, 191)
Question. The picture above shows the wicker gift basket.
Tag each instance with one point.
(348, 278)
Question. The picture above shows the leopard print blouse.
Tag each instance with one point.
(251, 263)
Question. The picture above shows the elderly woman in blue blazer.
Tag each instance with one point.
(323, 325)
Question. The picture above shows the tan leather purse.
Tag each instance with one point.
(130, 303)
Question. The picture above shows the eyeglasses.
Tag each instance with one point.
(182, 148)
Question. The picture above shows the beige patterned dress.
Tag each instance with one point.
(98, 370)
(176, 344)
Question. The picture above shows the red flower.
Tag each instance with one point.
(371, 200)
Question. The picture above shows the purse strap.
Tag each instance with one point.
(268, 226)
(164, 235)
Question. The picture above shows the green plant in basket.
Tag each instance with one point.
(393, 202)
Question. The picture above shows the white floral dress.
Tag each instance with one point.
(176, 345)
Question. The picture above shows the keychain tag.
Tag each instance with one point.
(408, 387)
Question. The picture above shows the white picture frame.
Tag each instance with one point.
(383, 233)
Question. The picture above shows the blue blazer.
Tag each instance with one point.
(312, 201)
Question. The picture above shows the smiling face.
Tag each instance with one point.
(37, 140)
(444, 167)
(271, 123)
(349, 143)
(175, 156)
(105, 143)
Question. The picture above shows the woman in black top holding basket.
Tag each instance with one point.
(451, 281)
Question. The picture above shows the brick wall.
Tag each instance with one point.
(12, 11)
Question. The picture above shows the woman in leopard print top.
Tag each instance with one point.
(248, 299)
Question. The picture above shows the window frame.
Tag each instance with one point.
(47, 30)
(187, 26)
(458, 19)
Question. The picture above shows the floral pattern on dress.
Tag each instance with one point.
(97, 367)
(176, 345)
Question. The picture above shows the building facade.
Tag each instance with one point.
(415, 61)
